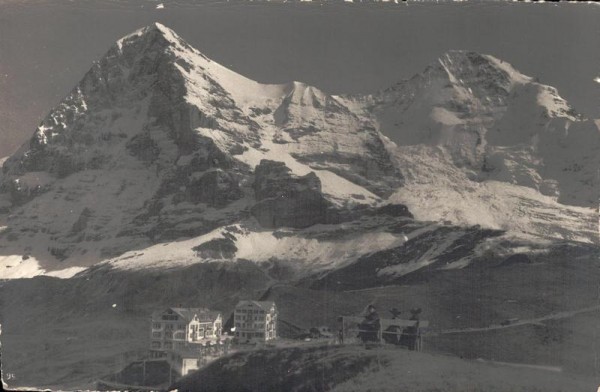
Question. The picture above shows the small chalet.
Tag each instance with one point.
(255, 321)
(180, 328)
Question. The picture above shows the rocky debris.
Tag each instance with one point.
(287, 200)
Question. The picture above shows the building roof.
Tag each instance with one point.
(264, 305)
(187, 314)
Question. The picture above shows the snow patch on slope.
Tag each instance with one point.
(337, 188)
(19, 267)
(435, 250)
(436, 190)
(308, 253)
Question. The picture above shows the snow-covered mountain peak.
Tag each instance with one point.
(158, 142)
(474, 69)
(472, 85)
(151, 33)
(495, 123)
(491, 84)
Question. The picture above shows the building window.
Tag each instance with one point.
(155, 344)
(156, 335)
(156, 325)
(179, 335)
(168, 345)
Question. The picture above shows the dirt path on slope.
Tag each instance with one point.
(538, 320)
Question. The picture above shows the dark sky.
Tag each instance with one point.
(46, 47)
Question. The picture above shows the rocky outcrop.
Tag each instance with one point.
(394, 210)
(287, 200)
(218, 248)
(216, 188)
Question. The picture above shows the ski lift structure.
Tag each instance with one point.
(395, 331)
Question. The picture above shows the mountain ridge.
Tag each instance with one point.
(158, 143)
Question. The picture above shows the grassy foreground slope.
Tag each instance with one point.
(354, 368)
(66, 333)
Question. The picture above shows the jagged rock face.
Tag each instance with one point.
(275, 180)
(286, 200)
(76, 134)
(215, 188)
(124, 146)
(320, 131)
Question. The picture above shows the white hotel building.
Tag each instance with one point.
(255, 321)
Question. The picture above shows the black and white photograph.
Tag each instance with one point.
(300, 196)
